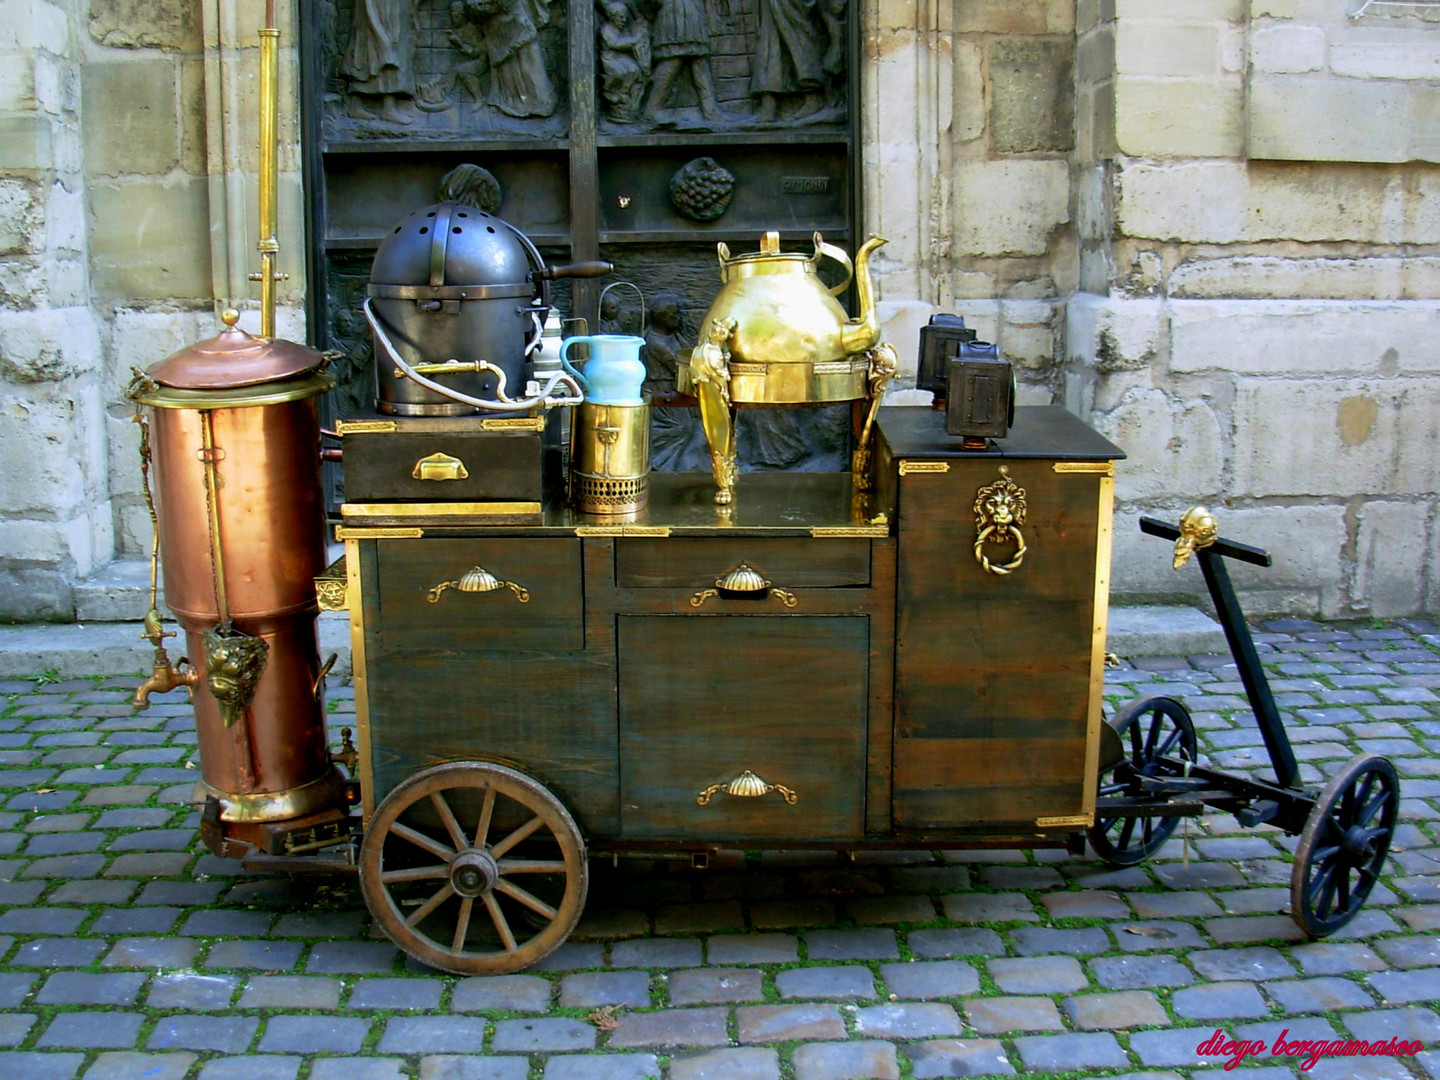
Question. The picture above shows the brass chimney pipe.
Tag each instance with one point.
(269, 245)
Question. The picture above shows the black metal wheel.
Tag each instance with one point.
(1343, 844)
(474, 868)
(1146, 738)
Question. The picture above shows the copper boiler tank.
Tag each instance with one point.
(235, 442)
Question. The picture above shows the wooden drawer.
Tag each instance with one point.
(547, 571)
(703, 700)
(696, 562)
(445, 462)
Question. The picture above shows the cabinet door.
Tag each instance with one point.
(705, 699)
(993, 671)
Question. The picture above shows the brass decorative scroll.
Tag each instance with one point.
(439, 466)
(744, 583)
(999, 513)
(1198, 529)
(746, 786)
(476, 580)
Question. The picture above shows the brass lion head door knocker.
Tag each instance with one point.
(999, 513)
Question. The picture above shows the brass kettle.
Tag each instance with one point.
(776, 335)
(792, 343)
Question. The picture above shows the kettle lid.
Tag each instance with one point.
(233, 359)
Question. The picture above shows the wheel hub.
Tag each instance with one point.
(1357, 844)
(473, 873)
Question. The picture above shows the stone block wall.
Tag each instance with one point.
(55, 524)
(969, 131)
(1211, 228)
(127, 217)
(1258, 315)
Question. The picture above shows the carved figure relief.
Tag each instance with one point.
(799, 48)
(625, 61)
(680, 43)
(379, 63)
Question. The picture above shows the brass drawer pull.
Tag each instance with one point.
(478, 579)
(439, 467)
(743, 583)
(999, 513)
(746, 786)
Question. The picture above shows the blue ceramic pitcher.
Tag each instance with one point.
(614, 373)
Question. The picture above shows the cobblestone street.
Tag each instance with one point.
(129, 953)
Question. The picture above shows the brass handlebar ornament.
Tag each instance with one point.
(999, 513)
(476, 580)
(1198, 529)
(746, 786)
(744, 583)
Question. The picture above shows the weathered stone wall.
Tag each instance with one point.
(1259, 334)
(1128, 195)
(969, 133)
(55, 524)
(127, 216)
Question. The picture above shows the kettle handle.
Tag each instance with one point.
(822, 249)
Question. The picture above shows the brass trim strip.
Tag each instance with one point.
(239, 397)
(908, 467)
(1083, 821)
(343, 532)
(1104, 539)
(622, 530)
(359, 678)
(361, 427)
(361, 511)
(851, 530)
(1101, 468)
(513, 423)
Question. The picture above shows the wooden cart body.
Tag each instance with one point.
(908, 695)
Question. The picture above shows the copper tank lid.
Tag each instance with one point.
(233, 359)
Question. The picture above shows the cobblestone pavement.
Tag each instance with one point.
(128, 953)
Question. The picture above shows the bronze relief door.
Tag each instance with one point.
(637, 131)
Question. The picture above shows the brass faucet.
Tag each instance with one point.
(166, 676)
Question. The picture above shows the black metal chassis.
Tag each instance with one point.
(1182, 788)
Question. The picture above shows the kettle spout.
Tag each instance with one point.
(863, 332)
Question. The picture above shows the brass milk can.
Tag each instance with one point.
(234, 434)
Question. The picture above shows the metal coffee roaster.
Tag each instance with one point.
(233, 435)
(457, 302)
(777, 335)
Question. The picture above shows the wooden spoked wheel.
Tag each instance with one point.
(474, 868)
(1343, 844)
(1147, 738)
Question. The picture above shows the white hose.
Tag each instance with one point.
(542, 399)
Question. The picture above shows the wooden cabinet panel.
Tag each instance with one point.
(695, 563)
(994, 671)
(547, 569)
(705, 698)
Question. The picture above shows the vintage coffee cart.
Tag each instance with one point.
(807, 667)
(910, 654)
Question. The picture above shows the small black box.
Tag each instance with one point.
(980, 397)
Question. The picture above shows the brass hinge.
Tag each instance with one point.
(851, 530)
(346, 532)
(361, 427)
(1100, 468)
(622, 530)
(908, 467)
(513, 423)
